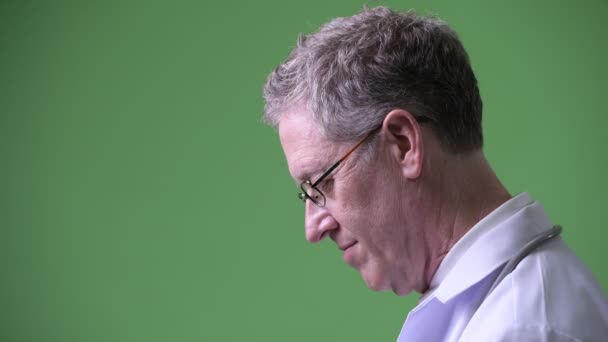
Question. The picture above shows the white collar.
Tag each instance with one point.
(486, 246)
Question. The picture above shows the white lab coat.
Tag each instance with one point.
(550, 296)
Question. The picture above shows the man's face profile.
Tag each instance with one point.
(362, 214)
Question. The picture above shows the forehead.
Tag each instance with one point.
(307, 151)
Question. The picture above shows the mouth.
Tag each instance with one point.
(347, 246)
(348, 255)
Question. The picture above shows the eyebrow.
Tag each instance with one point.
(308, 174)
(305, 176)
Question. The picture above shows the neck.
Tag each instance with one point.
(464, 190)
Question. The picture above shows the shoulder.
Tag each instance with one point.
(551, 296)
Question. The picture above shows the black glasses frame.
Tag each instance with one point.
(310, 190)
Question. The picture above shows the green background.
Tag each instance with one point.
(142, 199)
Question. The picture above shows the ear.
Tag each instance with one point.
(404, 141)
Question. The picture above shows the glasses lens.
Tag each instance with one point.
(312, 193)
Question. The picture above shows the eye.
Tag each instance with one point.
(327, 185)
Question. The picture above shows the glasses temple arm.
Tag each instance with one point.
(333, 167)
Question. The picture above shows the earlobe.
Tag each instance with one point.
(404, 141)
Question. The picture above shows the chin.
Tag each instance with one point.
(379, 281)
(402, 291)
(375, 281)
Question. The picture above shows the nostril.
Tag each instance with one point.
(318, 226)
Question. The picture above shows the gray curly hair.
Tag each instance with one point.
(355, 70)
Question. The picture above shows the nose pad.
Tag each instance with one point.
(318, 222)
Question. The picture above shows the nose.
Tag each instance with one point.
(318, 221)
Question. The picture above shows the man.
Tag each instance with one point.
(379, 117)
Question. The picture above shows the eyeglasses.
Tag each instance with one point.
(310, 189)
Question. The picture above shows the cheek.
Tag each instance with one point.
(368, 202)
(381, 213)
(365, 213)
(380, 196)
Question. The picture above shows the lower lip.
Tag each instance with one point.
(348, 254)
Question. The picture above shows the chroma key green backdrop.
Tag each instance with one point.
(142, 199)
